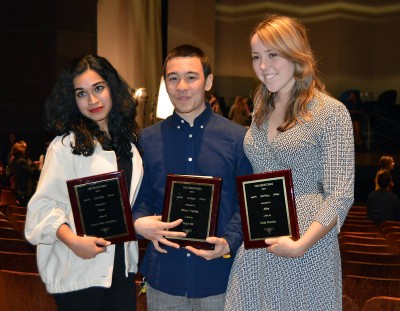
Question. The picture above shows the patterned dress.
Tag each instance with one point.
(320, 154)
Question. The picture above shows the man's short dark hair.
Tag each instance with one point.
(188, 50)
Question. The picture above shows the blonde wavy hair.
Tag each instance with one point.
(289, 38)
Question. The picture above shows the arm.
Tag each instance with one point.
(286, 247)
(84, 247)
(146, 217)
(49, 207)
(49, 217)
(338, 183)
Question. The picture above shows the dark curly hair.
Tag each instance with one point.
(62, 115)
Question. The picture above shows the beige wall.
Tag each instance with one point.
(192, 22)
(129, 36)
(357, 45)
(112, 36)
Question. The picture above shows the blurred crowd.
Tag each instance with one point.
(17, 170)
(21, 173)
(239, 111)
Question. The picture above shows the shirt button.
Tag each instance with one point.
(190, 135)
(201, 126)
(182, 121)
(178, 127)
(190, 159)
(187, 255)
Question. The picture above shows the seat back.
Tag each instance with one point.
(16, 245)
(382, 303)
(9, 232)
(8, 197)
(349, 304)
(24, 291)
(369, 269)
(348, 238)
(386, 102)
(16, 209)
(361, 288)
(387, 98)
(373, 248)
(5, 223)
(388, 258)
(21, 262)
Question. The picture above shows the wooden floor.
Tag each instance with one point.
(141, 304)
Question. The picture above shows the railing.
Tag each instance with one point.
(382, 130)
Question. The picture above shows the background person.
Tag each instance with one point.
(386, 163)
(382, 204)
(239, 111)
(24, 174)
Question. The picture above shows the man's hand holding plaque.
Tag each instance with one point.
(195, 200)
(157, 231)
(267, 207)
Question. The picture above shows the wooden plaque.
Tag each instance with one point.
(195, 199)
(101, 208)
(267, 207)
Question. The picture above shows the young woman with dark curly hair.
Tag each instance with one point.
(92, 112)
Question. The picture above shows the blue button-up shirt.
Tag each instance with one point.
(213, 146)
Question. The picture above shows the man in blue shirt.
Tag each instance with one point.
(193, 141)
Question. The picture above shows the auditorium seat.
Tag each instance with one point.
(388, 258)
(360, 229)
(9, 233)
(376, 234)
(20, 227)
(393, 236)
(355, 216)
(367, 248)
(390, 224)
(7, 197)
(370, 269)
(348, 304)
(349, 238)
(358, 221)
(5, 223)
(16, 245)
(24, 291)
(358, 208)
(382, 303)
(361, 288)
(14, 261)
(15, 218)
(16, 209)
(389, 229)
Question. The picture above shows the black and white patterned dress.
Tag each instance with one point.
(320, 154)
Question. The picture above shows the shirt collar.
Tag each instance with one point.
(200, 121)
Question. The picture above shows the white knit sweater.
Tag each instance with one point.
(60, 269)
